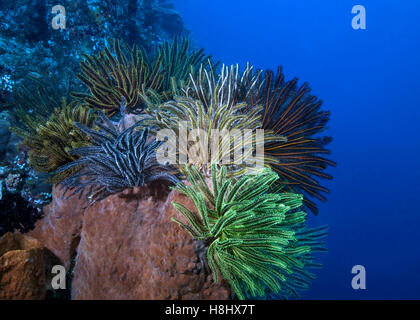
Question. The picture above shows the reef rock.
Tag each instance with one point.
(130, 249)
(59, 229)
(4, 137)
(22, 271)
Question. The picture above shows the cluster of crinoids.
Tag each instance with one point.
(251, 220)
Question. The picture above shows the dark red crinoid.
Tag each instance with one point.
(292, 112)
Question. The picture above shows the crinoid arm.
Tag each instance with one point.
(179, 61)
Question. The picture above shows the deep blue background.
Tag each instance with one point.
(370, 81)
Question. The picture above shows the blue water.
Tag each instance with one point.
(369, 80)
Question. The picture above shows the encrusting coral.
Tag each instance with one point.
(256, 240)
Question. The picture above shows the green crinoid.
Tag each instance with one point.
(50, 141)
(257, 241)
(178, 61)
(121, 71)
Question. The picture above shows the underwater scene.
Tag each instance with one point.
(209, 150)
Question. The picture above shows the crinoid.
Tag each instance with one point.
(229, 86)
(37, 97)
(50, 140)
(292, 112)
(257, 241)
(35, 100)
(116, 161)
(217, 132)
(289, 112)
(179, 60)
(128, 72)
(118, 72)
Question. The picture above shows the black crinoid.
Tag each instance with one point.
(293, 112)
(117, 160)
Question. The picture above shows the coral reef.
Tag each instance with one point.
(149, 22)
(6, 87)
(4, 135)
(215, 219)
(28, 43)
(16, 213)
(18, 59)
(22, 196)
